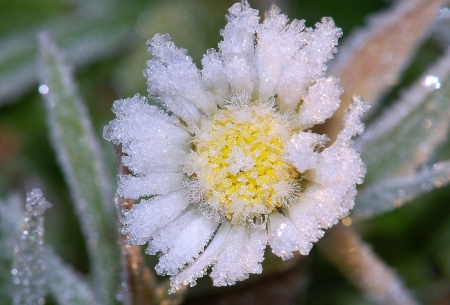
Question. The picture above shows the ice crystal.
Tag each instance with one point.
(29, 265)
(237, 166)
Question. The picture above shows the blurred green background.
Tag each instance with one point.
(105, 43)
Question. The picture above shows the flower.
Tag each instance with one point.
(237, 167)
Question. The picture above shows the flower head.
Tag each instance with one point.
(236, 167)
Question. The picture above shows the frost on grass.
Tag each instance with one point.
(406, 135)
(237, 167)
(10, 229)
(30, 263)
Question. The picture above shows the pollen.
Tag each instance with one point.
(240, 164)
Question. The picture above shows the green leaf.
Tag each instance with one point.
(407, 134)
(80, 159)
(392, 193)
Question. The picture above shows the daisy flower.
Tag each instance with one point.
(231, 164)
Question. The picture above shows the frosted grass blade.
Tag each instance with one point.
(392, 193)
(29, 261)
(408, 133)
(364, 269)
(10, 229)
(80, 159)
(65, 285)
(373, 58)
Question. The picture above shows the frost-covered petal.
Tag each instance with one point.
(141, 221)
(309, 64)
(241, 255)
(152, 184)
(301, 150)
(214, 77)
(198, 268)
(339, 168)
(278, 45)
(181, 241)
(237, 47)
(320, 103)
(174, 80)
(284, 238)
(151, 140)
(307, 225)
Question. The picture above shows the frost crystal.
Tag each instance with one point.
(237, 166)
(29, 264)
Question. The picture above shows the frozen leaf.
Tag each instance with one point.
(372, 59)
(65, 285)
(80, 159)
(407, 134)
(391, 193)
(29, 262)
(10, 229)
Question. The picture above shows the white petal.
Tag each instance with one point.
(237, 48)
(241, 255)
(284, 238)
(301, 150)
(198, 268)
(175, 81)
(339, 168)
(306, 224)
(151, 140)
(321, 101)
(151, 184)
(214, 77)
(315, 48)
(181, 241)
(278, 43)
(352, 122)
(141, 221)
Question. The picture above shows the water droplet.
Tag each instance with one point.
(431, 82)
(43, 89)
(401, 193)
(14, 271)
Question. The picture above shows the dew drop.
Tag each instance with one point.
(431, 82)
(43, 89)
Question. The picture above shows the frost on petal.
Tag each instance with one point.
(198, 268)
(141, 221)
(277, 49)
(151, 140)
(214, 77)
(339, 169)
(306, 223)
(241, 255)
(284, 238)
(308, 64)
(181, 241)
(301, 150)
(320, 103)
(152, 184)
(174, 80)
(237, 47)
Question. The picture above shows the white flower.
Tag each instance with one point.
(237, 166)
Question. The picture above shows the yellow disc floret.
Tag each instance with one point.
(239, 162)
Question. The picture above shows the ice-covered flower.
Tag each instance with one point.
(236, 167)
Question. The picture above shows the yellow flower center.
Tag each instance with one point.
(241, 168)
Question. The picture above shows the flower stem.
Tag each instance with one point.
(359, 264)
